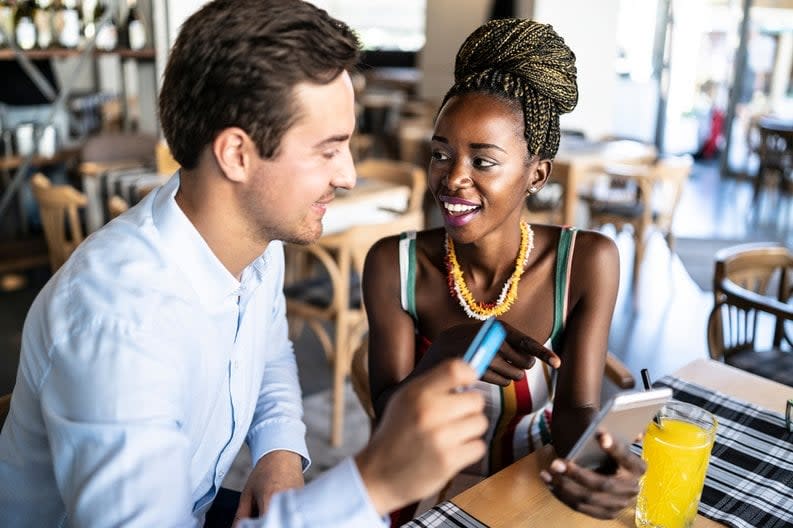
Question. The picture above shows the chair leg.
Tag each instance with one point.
(638, 256)
(340, 362)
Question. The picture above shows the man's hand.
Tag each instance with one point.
(274, 472)
(595, 494)
(429, 432)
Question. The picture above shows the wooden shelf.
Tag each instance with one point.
(65, 154)
(63, 53)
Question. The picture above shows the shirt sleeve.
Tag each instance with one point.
(112, 405)
(336, 498)
(278, 418)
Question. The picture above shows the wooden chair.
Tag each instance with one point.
(397, 172)
(752, 285)
(59, 209)
(615, 371)
(331, 294)
(116, 205)
(642, 196)
(775, 152)
(5, 407)
(165, 162)
(106, 152)
(545, 206)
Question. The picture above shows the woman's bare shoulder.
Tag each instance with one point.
(593, 247)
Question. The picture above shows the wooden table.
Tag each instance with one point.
(576, 161)
(516, 496)
(369, 202)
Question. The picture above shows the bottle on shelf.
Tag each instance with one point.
(87, 14)
(134, 28)
(66, 23)
(107, 33)
(6, 23)
(24, 26)
(42, 18)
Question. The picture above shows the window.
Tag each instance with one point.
(382, 25)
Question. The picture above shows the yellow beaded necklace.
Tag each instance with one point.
(509, 293)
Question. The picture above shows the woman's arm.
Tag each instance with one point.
(391, 330)
(594, 281)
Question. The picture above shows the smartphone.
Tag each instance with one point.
(625, 416)
(485, 345)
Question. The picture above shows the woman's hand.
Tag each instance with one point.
(517, 354)
(596, 494)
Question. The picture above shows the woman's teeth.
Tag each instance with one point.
(459, 208)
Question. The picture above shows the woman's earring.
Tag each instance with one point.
(532, 190)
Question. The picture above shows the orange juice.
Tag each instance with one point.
(677, 455)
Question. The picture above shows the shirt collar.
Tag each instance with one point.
(208, 276)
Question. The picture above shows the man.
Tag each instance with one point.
(161, 345)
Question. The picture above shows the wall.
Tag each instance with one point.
(448, 23)
(590, 29)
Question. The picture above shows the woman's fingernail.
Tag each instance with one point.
(557, 466)
(606, 441)
(545, 476)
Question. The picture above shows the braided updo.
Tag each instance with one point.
(524, 61)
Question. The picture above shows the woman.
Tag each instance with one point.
(495, 137)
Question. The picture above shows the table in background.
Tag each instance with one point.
(577, 159)
(369, 202)
(516, 496)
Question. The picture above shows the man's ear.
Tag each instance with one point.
(539, 172)
(232, 151)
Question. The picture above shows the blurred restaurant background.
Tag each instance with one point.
(681, 149)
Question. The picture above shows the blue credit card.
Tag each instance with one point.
(485, 345)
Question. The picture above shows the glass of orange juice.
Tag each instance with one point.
(676, 449)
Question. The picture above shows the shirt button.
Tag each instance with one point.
(236, 365)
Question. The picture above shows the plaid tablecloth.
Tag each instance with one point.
(445, 514)
(750, 478)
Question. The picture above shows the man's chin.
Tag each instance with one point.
(306, 238)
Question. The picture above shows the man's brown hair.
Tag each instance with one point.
(235, 63)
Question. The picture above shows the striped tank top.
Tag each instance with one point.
(519, 415)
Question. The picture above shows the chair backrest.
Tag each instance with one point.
(670, 174)
(116, 205)
(748, 280)
(399, 172)
(165, 162)
(354, 243)
(359, 376)
(776, 146)
(58, 207)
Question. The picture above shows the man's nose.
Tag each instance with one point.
(345, 175)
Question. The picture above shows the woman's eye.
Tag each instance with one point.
(480, 163)
(439, 156)
(330, 154)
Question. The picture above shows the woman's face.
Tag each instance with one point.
(479, 172)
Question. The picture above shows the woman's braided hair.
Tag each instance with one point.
(524, 61)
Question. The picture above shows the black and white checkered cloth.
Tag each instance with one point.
(445, 514)
(750, 477)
